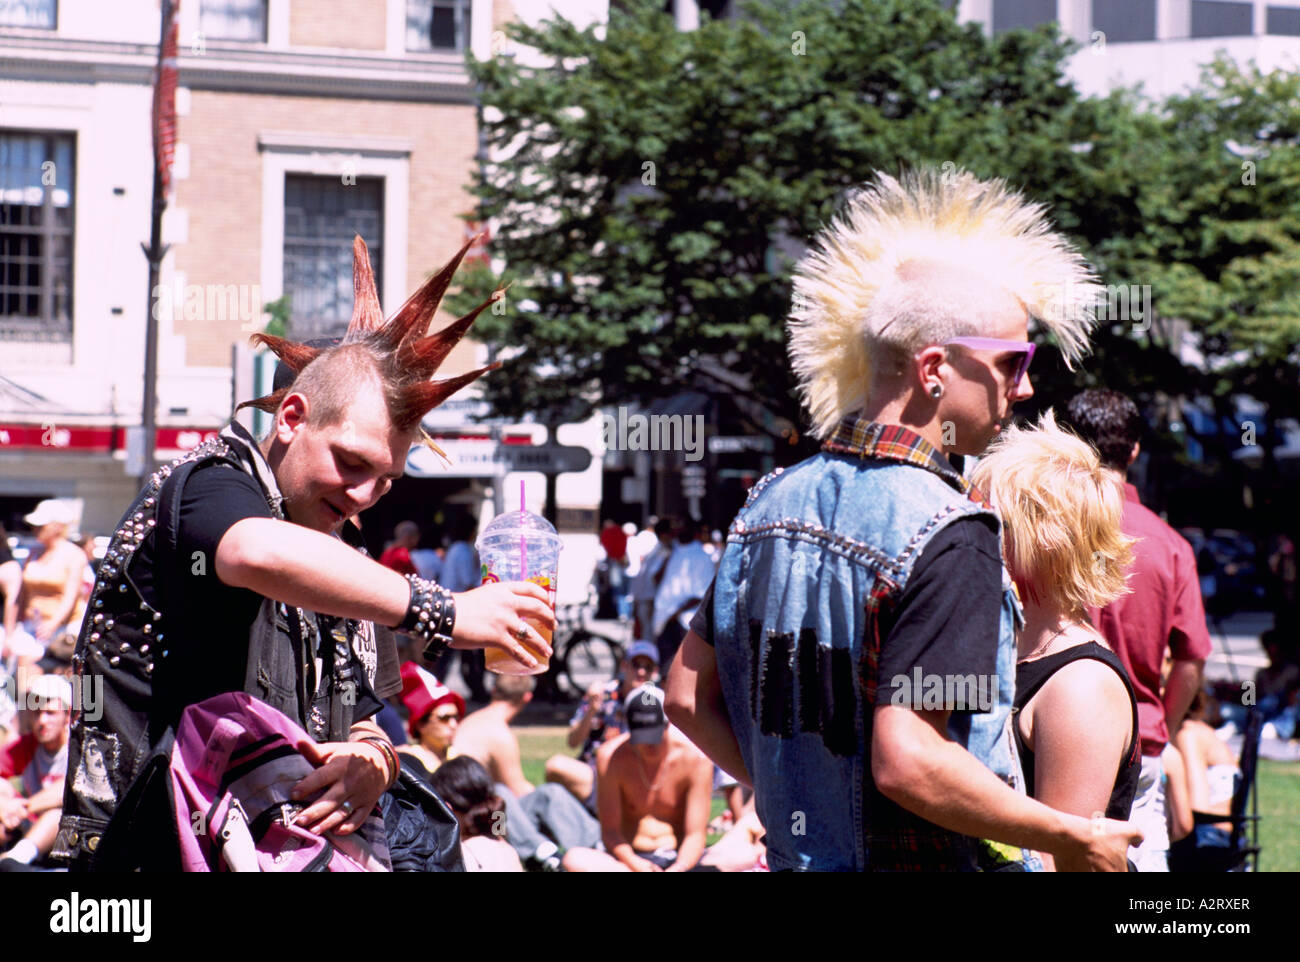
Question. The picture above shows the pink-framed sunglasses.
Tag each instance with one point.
(1024, 348)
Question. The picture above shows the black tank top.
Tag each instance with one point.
(1032, 675)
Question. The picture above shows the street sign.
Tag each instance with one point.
(485, 459)
(546, 458)
(734, 444)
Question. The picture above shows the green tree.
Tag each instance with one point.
(654, 187)
(1218, 240)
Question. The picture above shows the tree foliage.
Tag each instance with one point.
(653, 188)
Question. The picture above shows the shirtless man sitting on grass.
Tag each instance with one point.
(653, 798)
(486, 736)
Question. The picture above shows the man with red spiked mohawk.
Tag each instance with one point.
(238, 568)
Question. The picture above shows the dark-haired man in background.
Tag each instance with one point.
(1163, 612)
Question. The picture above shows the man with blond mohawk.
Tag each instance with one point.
(237, 569)
(861, 603)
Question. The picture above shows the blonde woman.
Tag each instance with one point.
(1075, 717)
(51, 585)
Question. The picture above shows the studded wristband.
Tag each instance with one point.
(430, 616)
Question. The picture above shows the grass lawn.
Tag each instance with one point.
(538, 743)
(1279, 816)
(1279, 796)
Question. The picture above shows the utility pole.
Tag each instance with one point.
(155, 252)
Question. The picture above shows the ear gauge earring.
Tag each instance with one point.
(936, 390)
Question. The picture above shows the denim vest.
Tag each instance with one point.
(813, 559)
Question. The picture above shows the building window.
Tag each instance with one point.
(28, 13)
(233, 20)
(1284, 21)
(1125, 21)
(36, 228)
(437, 25)
(321, 216)
(1210, 18)
(1010, 14)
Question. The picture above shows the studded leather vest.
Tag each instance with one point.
(118, 752)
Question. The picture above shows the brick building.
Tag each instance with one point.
(299, 123)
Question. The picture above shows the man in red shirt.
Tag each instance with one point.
(614, 541)
(1163, 613)
(398, 554)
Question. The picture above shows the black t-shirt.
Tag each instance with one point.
(5, 554)
(207, 639)
(946, 621)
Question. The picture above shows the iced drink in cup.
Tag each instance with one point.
(520, 546)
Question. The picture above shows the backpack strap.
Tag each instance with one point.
(167, 532)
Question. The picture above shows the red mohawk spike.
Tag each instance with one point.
(366, 315)
(412, 319)
(270, 403)
(296, 355)
(419, 398)
(423, 357)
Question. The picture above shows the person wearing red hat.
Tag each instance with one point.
(436, 712)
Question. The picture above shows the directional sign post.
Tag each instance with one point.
(546, 458)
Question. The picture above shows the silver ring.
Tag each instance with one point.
(346, 806)
(522, 633)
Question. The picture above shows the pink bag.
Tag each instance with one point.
(233, 766)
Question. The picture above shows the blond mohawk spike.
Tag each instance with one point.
(950, 218)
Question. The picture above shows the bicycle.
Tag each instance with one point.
(582, 656)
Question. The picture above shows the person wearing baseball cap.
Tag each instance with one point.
(644, 711)
(654, 797)
(435, 714)
(41, 759)
(599, 720)
(51, 587)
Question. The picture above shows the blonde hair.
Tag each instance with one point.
(856, 298)
(1062, 515)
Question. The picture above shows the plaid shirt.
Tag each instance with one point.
(893, 442)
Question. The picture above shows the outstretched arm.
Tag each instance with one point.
(694, 703)
(307, 569)
(915, 764)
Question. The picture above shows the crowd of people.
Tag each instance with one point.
(897, 661)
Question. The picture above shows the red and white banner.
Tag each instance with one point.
(80, 439)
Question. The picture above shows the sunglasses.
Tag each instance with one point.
(1024, 348)
(446, 719)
